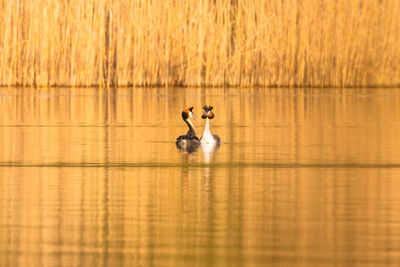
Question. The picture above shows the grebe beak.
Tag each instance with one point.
(192, 115)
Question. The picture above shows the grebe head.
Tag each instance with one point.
(188, 113)
(207, 113)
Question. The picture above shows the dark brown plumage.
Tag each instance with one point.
(188, 142)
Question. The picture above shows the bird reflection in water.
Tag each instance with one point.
(208, 152)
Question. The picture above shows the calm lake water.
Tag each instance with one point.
(303, 177)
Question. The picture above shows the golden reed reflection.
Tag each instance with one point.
(267, 126)
(206, 207)
(173, 216)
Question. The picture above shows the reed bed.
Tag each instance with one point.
(200, 43)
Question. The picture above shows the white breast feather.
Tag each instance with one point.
(207, 137)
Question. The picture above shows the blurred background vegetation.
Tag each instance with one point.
(297, 43)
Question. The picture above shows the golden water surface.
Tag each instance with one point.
(303, 177)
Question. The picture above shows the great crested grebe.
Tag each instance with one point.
(208, 137)
(189, 141)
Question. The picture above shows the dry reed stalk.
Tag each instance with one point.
(200, 43)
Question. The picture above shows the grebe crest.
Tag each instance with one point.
(188, 142)
(208, 137)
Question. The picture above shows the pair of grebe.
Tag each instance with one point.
(190, 141)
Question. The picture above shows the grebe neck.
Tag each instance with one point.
(207, 137)
(207, 129)
(192, 130)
